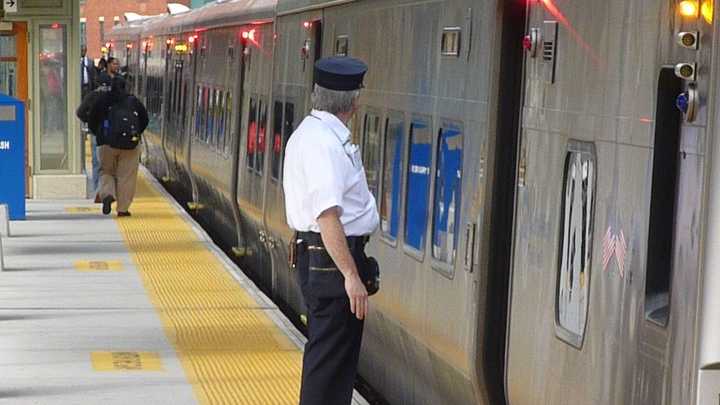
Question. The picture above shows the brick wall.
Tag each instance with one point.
(92, 10)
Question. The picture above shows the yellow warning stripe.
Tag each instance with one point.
(230, 349)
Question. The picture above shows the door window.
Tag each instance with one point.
(392, 176)
(573, 281)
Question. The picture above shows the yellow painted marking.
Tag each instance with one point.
(126, 361)
(230, 349)
(98, 266)
(82, 210)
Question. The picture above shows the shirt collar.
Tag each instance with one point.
(334, 123)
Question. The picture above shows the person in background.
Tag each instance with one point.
(88, 79)
(119, 115)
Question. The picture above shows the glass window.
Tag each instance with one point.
(418, 183)
(392, 176)
(448, 192)
(221, 120)
(198, 112)
(260, 150)
(371, 152)
(576, 242)
(53, 97)
(83, 33)
(252, 133)
(102, 32)
(211, 117)
(228, 124)
(277, 140)
(206, 114)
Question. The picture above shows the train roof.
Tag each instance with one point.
(296, 6)
(221, 13)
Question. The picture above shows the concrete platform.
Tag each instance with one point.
(79, 324)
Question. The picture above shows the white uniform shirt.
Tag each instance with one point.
(324, 170)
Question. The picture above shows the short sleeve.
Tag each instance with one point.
(324, 169)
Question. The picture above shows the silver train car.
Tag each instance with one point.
(543, 170)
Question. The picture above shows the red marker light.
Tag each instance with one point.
(307, 24)
(129, 46)
(191, 39)
(55, 26)
(108, 44)
(527, 42)
(249, 35)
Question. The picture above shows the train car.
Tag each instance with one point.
(543, 210)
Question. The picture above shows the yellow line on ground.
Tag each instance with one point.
(230, 349)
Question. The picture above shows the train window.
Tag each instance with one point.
(663, 200)
(261, 135)
(289, 126)
(198, 108)
(371, 151)
(212, 119)
(418, 183)
(252, 133)
(575, 249)
(392, 176)
(221, 121)
(228, 123)
(203, 113)
(342, 45)
(450, 45)
(277, 140)
(448, 192)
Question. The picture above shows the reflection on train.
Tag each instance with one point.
(544, 211)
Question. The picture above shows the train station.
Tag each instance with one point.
(366, 202)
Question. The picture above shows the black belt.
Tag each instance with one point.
(314, 238)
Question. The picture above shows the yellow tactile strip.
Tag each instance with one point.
(230, 349)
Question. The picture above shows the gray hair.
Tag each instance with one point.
(334, 101)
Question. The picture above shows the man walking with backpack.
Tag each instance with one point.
(122, 120)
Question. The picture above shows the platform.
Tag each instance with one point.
(140, 310)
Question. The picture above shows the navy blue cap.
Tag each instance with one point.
(340, 73)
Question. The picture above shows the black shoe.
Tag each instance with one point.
(124, 214)
(107, 204)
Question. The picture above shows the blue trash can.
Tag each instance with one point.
(12, 155)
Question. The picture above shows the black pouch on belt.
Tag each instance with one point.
(325, 279)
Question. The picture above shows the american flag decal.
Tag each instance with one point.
(608, 248)
(614, 246)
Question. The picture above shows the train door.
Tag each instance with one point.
(286, 114)
(604, 272)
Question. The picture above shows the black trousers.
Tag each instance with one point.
(333, 348)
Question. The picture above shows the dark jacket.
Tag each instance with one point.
(96, 106)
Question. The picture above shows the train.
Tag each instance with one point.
(543, 171)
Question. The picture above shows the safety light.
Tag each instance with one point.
(307, 24)
(55, 26)
(191, 39)
(707, 11)
(108, 45)
(129, 46)
(688, 8)
(181, 48)
(249, 35)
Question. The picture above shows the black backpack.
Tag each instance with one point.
(122, 127)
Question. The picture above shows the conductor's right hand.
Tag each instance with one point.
(358, 295)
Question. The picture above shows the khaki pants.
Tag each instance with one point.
(119, 175)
